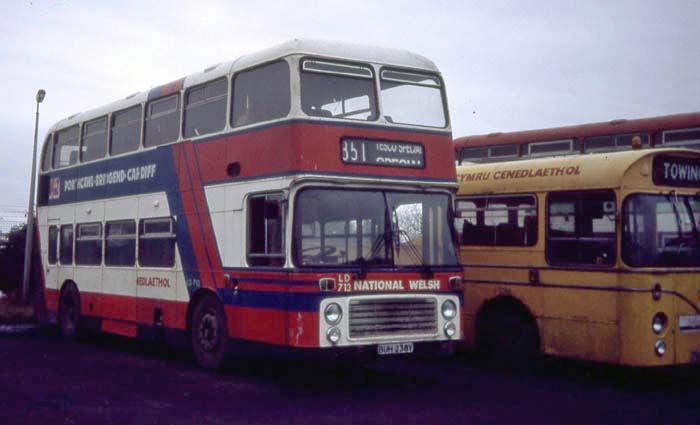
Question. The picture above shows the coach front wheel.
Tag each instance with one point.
(209, 333)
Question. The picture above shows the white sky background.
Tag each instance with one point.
(508, 65)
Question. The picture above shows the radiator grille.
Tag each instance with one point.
(392, 316)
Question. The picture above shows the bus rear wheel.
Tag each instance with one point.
(507, 338)
(209, 333)
(69, 311)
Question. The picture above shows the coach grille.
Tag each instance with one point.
(392, 316)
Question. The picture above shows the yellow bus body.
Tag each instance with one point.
(590, 312)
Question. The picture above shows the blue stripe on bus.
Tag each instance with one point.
(296, 301)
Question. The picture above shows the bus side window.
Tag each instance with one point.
(88, 244)
(94, 144)
(497, 220)
(125, 131)
(66, 245)
(579, 231)
(53, 244)
(266, 230)
(205, 108)
(261, 94)
(162, 123)
(65, 148)
(157, 242)
(120, 243)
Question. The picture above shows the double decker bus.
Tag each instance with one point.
(681, 130)
(594, 257)
(298, 197)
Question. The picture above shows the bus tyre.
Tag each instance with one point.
(508, 338)
(69, 311)
(209, 333)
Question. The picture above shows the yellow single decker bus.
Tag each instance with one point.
(595, 257)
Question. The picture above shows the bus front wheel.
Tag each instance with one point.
(69, 311)
(209, 333)
(507, 337)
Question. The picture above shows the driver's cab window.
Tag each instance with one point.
(266, 224)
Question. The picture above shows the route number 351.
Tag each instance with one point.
(353, 151)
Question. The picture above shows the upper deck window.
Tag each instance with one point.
(688, 137)
(261, 94)
(162, 121)
(125, 131)
(555, 147)
(65, 148)
(205, 108)
(617, 142)
(412, 98)
(94, 140)
(338, 90)
(46, 154)
(490, 154)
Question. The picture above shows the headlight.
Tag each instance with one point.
(333, 313)
(450, 329)
(449, 310)
(333, 335)
(660, 348)
(658, 323)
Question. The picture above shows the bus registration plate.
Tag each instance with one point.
(399, 348)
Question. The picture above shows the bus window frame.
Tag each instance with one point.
(333, 61)
(228, 98)
(581, 265)
(146, 117)
(47, 153)
(616, 147)
(232, 91)
(532, 195)
(56, 145)
(110, 124)
(284, 227)
(693, 144)
(141, 235)
(441, 87)
(83, 127)
(571, 151)
(80, 238)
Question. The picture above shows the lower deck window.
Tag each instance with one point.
(66, 245)
(581, 228)
(157, 242)
(53, 244)
(266, 230)
(120, 243)
(88, 244)
(497, 220)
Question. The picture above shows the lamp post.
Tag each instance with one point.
(30, 209)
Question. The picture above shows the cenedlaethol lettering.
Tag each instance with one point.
(521, 174)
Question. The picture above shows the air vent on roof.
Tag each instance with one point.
(618, 122)
(211, 68)
(132, 95)
(495, 134)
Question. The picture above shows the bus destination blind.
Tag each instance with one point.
(676, 171)
(384, 153)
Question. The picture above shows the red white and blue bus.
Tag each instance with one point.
(298, 197)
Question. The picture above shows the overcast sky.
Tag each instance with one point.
(508, 65)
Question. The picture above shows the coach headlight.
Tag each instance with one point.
(450, 329)
(660, 348)
(658, 323)
(333, 313)
(449, 310)
(333, 335)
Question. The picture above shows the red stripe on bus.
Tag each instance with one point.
(120, 328)
(191, 213)
(205, 220)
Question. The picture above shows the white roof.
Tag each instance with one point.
(312, 47)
